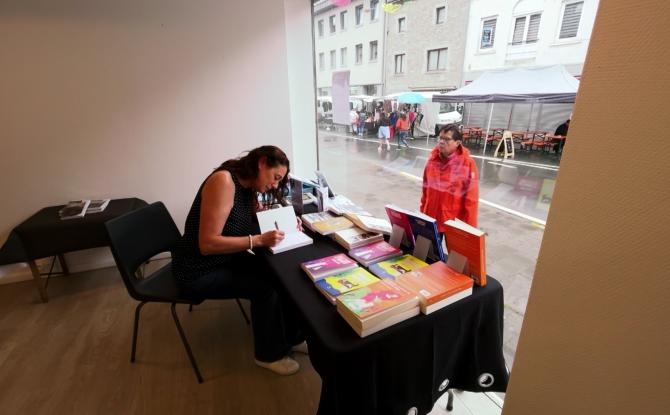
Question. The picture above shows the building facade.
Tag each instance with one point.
(425, 45)
(528, 33)
(349, 38)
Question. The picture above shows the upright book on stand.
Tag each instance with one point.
(400, 223)
(469, 242)
(426, 236)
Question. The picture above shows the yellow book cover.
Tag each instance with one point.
(332, 225)
(393, 267)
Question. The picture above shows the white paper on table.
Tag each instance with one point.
(283, 219)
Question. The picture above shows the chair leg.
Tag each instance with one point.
(135, 327)
(186, 345)
(190, 308)
(244, 313)
(450, 400)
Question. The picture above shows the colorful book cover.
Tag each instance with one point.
(330, 265)
(375, 299)
(469, 242)
(435, 283)
(346, 281)
(393, 267)
(374, 252)
(398, 217)
(326, 227)
(426, 226)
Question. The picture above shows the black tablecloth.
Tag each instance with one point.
(402, 366)
(45, 234)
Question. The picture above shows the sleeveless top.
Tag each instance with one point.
(187, 262)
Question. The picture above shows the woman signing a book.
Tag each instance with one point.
(215, 259)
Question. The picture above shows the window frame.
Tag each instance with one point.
(564, 6)
(343, 26)
(526, 27)
(376, 49)
(404, 19)
(358, 15)
(322, 61)
(438, 50)
(374, 11)
(403, 64)
(493, 33)
(333, 59)
(437, 15)
(320, 28)
(343, 57)
(356, 49)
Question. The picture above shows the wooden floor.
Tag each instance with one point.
(72, 356)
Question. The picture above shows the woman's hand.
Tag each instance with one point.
(271, 238)
(299, 225)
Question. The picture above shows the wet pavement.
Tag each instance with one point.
(514, 199)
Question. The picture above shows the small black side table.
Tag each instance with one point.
(44, 234)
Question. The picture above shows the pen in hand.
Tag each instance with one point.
(276, 225)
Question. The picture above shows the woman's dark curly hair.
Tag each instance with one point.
(246, 167)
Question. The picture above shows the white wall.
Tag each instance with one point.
(137, 98)
(366, 73)
(549, 50)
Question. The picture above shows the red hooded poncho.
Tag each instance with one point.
(450, 187)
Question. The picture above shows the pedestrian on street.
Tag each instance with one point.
(393, 118)
(383, 133)
(353, 120)
(450, 181)
(402, 126)
(561, 130)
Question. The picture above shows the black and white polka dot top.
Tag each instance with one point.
(187, 261)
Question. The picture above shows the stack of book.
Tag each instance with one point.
(335, 285)
(74, 209)
(370, 223)
(436, 285)
(354, 237)
(325, 223)
(392, 268)
(377, 306)
(375, 252)
(340, 205)
(319, 268)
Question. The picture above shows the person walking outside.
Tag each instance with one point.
(450, 181)
(353, 120)
(383, 133)
(402, 127)
(393, 118)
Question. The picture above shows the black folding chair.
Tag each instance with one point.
(135, 238)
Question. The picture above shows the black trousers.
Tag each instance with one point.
(273, 319)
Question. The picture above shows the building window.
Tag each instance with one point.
(437, 60)
(359, 54)
(440, 15)
(400, 63)
(333, 59)
(572, 13)
(374, 6)
(526, 29)
(359, 15)
(402, 24)
(331, 23)
(322, 62)
(343, 20)
(488, 33)
(343, 57)
(373, 51)
(320, 26)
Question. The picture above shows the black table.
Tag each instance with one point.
(44, 234)
(408, 365)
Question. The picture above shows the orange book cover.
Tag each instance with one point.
(435, 282)
(469, 242)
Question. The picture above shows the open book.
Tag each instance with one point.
(283, 219)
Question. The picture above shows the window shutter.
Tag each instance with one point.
(571, 17)
(519, 28)
(533, 28)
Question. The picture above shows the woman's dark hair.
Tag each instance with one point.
(456, 132)
(246, 167)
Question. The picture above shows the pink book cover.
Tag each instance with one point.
(400, 219)
(369, 253)
(329, 265)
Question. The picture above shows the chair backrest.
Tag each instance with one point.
(139, 235)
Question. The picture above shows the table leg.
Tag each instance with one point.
(38, 281)
(63, 264)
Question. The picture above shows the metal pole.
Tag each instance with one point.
(530, 116)
(488, 127)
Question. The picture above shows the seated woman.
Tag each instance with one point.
(214, 258)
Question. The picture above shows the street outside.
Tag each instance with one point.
(514, 201)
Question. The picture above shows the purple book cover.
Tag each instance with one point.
(373, 251)
(329, 265)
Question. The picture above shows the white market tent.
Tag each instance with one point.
(552, 85)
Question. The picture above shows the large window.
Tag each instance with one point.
(333, 59)
(437, 60)
(488, 33)
(399, 64)
(374, 10)
(331, 23)
(359, 15)
(526, 29)
(440, 15)
(343, 57)
(343, 20)
(373, 51)
(572, 14)
(319, 25)
(359, 54)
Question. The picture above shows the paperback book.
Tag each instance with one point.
(423, 226)
(74, 209)
(341, 205)
(377, 306)
(283, 219)
(355, 237)
(310, 219)
(97, 205)
(370, 223)
(469, 242)
(392, 268)
(436, 285)
(399, 218)
(344, 282)
(330, 265)
(375, 252)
